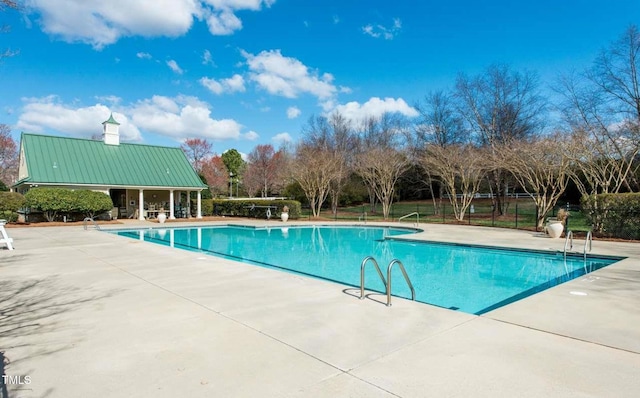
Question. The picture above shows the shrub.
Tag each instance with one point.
(91, 203)
(614, 215)
(10, 203)
(207, 207)
(50, 201)
(54, 201)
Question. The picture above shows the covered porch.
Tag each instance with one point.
(145, 203)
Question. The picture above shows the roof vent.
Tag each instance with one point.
(111, 131)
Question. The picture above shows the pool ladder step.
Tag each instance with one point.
(385, 282)
(568, 244)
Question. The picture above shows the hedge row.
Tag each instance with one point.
(614, 215)
(60, 201)
(256, 208)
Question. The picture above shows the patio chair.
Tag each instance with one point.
(4, 238)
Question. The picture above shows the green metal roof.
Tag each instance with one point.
(61, 160)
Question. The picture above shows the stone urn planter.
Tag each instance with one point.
(162, 217)
(284, 216)
(554, 228)
(555, 225)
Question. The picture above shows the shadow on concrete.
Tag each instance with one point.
(355, 292)
(14, 258)
(29, 308)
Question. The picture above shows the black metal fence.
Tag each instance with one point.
(517, 214)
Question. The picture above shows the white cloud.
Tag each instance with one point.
(235, 83)
(375, 107)
(293, 112)
(207, 59)
(388, 33)
(48, 113)
(254, 5)
(143, 55)
(223, 23)
(287, 76)
(111, 99)
(175, 117)
(182, 117)
(174, 66)
(230, 85)
(281, 138)
(251, 135)
(100, 22)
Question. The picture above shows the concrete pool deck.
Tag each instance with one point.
(91, 314)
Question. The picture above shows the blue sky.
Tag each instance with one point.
(247, 72)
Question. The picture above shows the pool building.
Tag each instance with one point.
(141, 179)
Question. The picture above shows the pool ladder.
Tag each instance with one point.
(409, 215)
(568, 243)
(387, 282)
(91, 220)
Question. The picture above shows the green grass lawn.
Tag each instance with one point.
(520, 213)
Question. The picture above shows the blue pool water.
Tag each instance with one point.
(471, 279)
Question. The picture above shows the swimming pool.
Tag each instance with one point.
(471, 279)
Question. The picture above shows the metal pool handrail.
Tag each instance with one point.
(587, 243)
(568, 240)
(415, 213)
(93, 221)
(362, 266)
(364, 215)
(406, 278)
(387, 282)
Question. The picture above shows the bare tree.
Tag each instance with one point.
(333, 134)
(216, 174)
(8, 156)
(344, 144)
(263, 170)
(381, 168)
(497, 106)
(439, 124)
(460, 169)
(315, 169)
(197, 150)
(388, 133)
(9, 4)
(602, 108)
(540, 166)
(4, 29)
(251, 180)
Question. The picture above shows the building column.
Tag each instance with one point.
(188, 204)
(172, 215)
(199, 208)
(141, 205)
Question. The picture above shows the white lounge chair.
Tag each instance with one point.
(4, 238)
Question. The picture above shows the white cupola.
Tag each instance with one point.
(111, 131)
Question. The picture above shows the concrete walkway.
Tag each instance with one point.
(91, 314)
